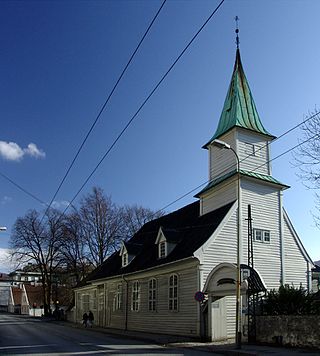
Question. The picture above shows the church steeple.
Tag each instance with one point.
(239, 109)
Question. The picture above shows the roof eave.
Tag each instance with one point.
(271, 137)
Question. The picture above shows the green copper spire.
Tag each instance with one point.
(239, 108)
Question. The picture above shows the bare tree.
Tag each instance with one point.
(73, 248)
(39, 242)
(101, 224)
(307, 156)
(134, 217)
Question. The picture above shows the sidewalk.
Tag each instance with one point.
(216, 348)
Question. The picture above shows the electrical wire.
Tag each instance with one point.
(22, 189)
(143, 104)
(104, 106)
(252, 171)
(279, 137)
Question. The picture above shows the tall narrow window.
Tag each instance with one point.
(135, 303)
(152, 294)
(85, 302)
(173, 292)
(119, 297)
(93, 299)
(162, 249)
(124, 259)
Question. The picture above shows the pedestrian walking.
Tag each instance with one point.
(85, 320)
(90, 318)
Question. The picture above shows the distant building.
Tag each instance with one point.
(5, 283)
(178, 274)
(26, 277)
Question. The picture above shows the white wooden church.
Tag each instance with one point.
(151, 283)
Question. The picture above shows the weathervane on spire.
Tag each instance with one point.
(237, 31)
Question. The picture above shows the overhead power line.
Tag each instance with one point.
(104, 106)
(23, 189)
(143, 104)
(228, 169)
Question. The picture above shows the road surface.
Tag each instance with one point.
(20, 335)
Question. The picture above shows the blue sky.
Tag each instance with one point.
(60, 59)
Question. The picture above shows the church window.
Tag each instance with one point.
(85, 302)
(124, 259)
(266, 236)
(162, 249)
(152, 294)
(261, 235)
(173, 292)
(250, 149)
(118, 305)
(135, 300)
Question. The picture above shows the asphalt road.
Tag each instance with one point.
(20, 335)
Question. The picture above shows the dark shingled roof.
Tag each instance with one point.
(189, 231)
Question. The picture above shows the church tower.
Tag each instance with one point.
(240, 171)
(240, 128)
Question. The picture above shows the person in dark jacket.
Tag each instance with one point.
(85, 320)
(90, 318)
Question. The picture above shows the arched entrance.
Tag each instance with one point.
(220, 288)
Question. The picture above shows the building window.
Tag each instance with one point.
(266, 236)
(124, 259)
(261, 235)
(85, 302)
(162, 249)
(250, 149)
(119, 297)
(152, 294)
(135, 303)
(173, 292)
(93, 300)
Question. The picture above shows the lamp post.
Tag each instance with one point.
(224, 145)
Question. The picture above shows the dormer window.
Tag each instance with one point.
(162, 249)
(128, 252)
(124, 259)
(166, 240)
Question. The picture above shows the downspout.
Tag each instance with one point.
(282, 252)
(126, 304)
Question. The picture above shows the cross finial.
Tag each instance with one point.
(237, 31)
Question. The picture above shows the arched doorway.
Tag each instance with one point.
(220, 288)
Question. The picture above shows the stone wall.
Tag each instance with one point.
(289, 330)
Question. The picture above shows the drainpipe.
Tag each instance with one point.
(282, 251)
(126, 304)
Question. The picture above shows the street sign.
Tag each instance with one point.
(199, 296)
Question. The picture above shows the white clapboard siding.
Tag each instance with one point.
(295, 263)
(221, 195)
(257, 161)
(222, 249)
(222, 161)
(183, 322)
(265, 210)
(115, 318)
